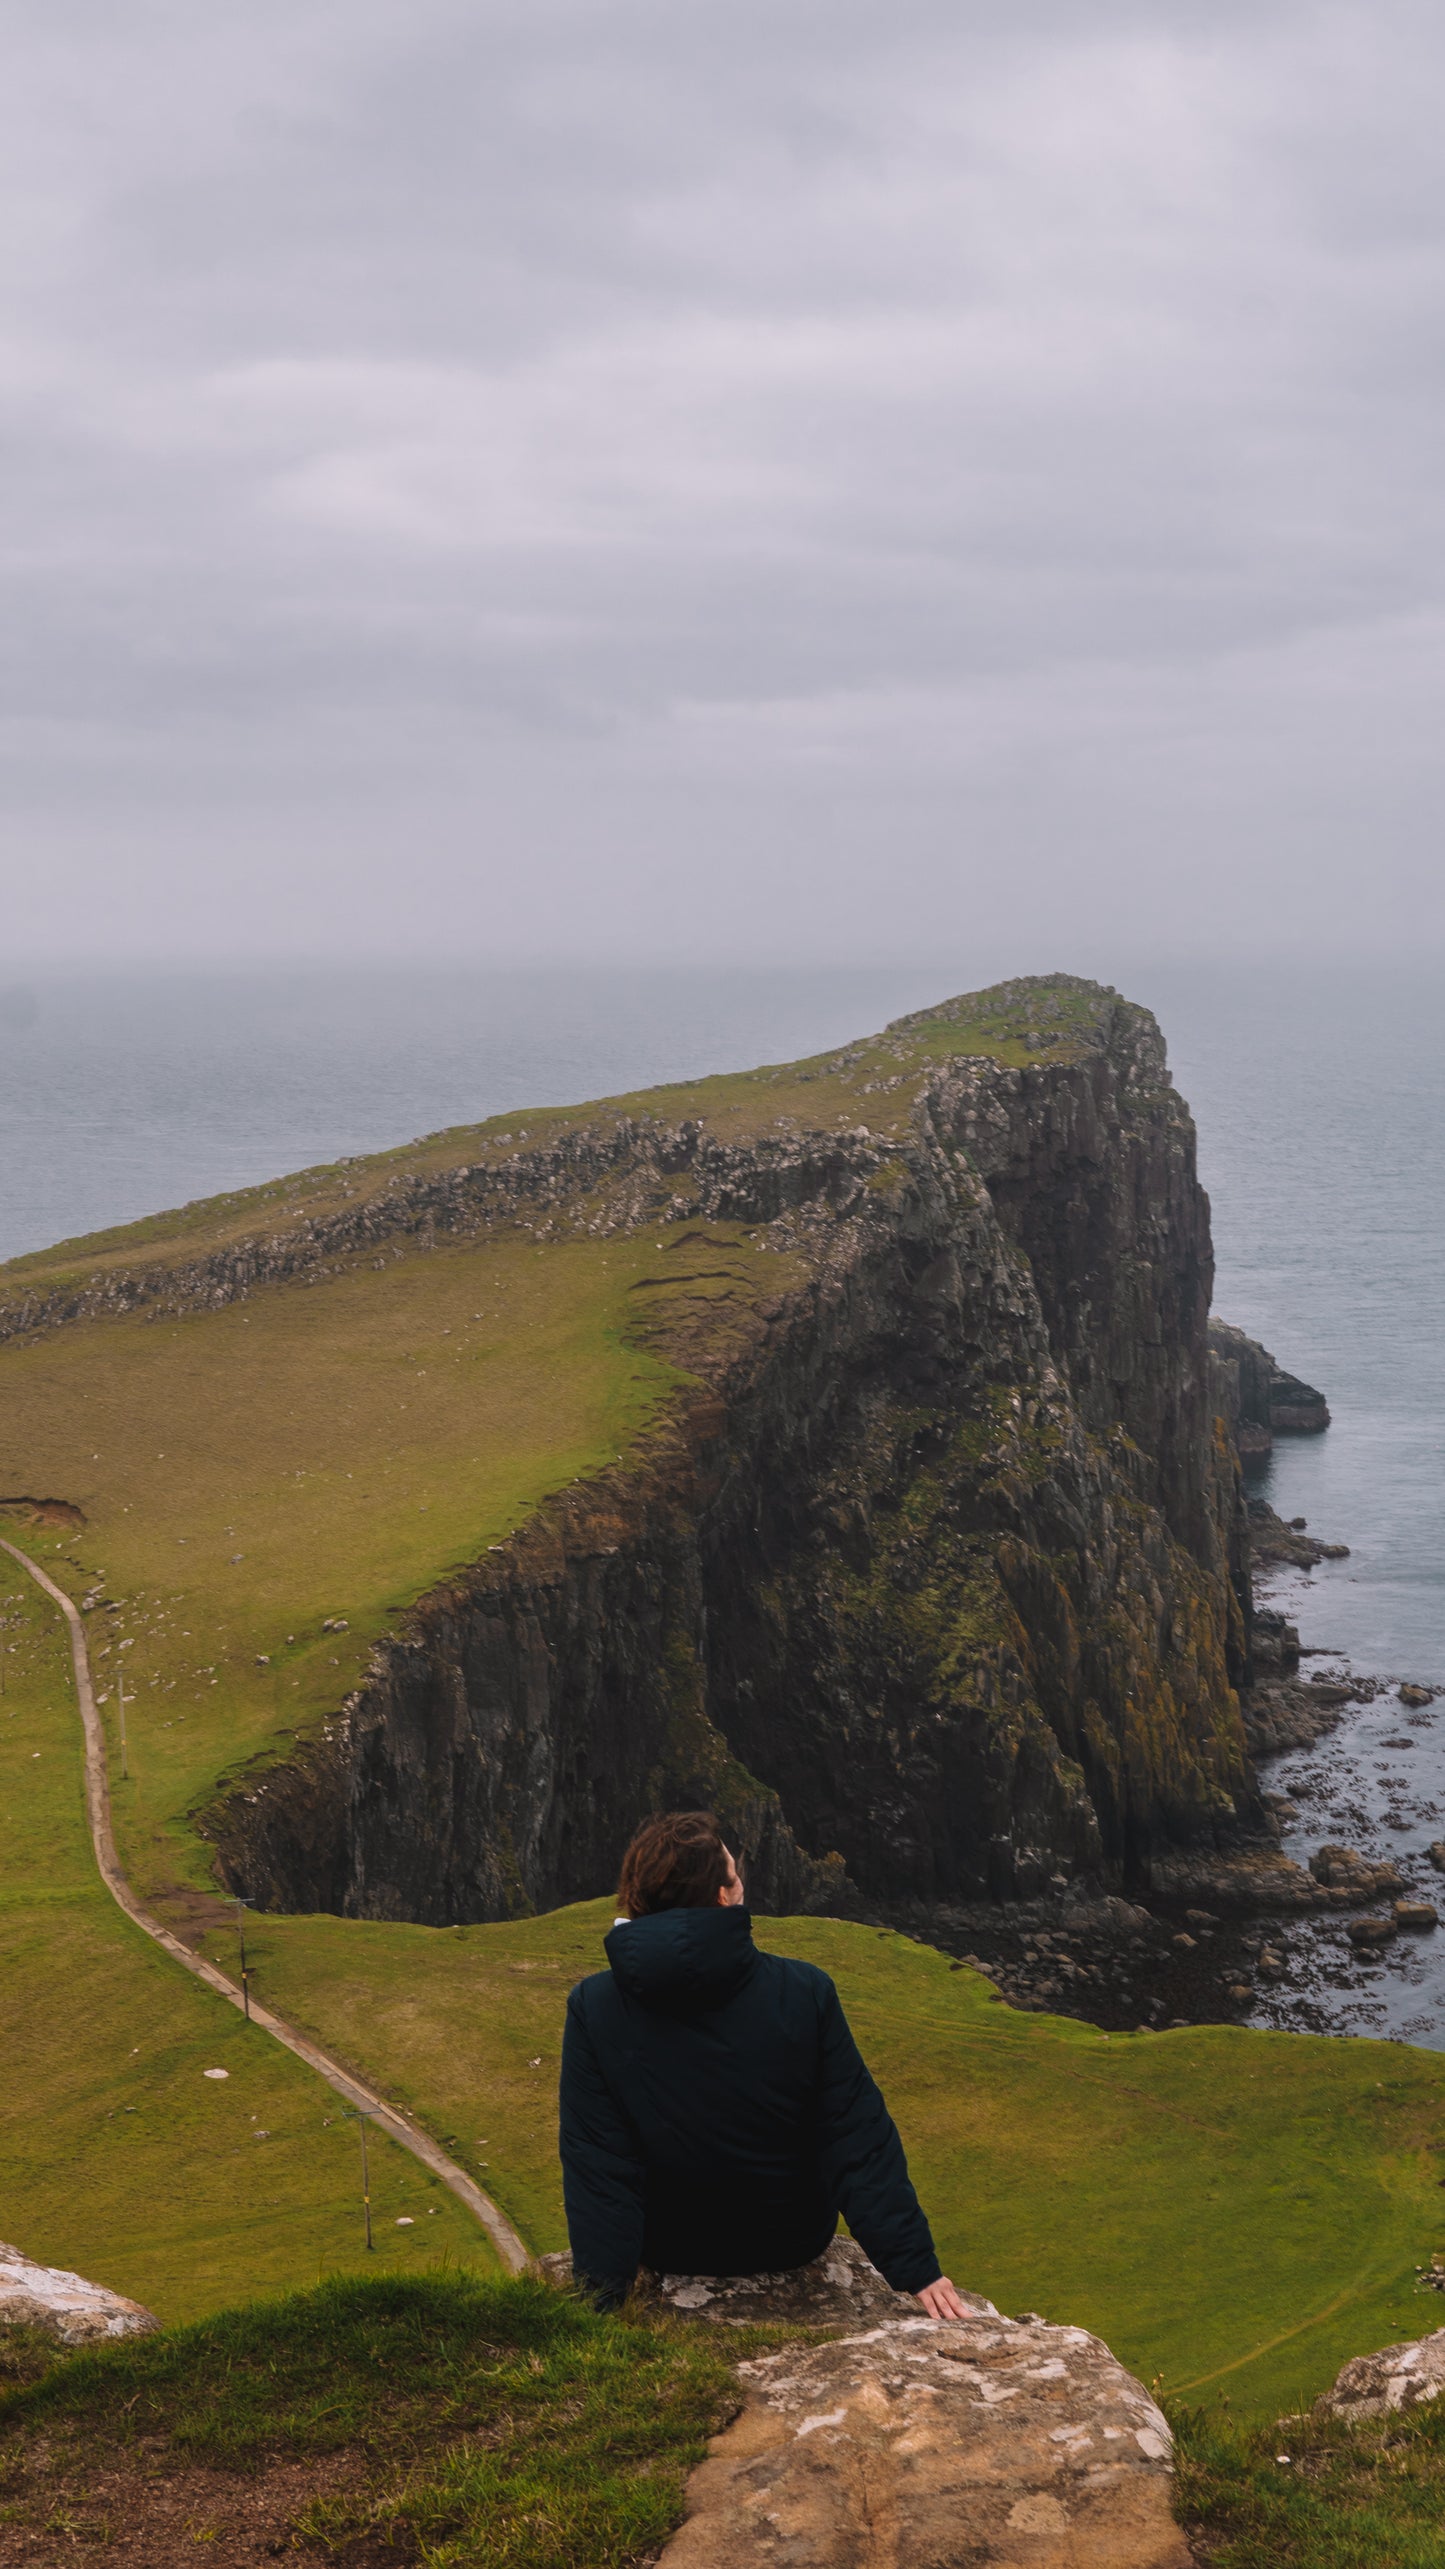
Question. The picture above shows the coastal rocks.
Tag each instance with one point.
(64, 2305)
(1397, 2377)
(1417, 1696)
(1253, 1880)
(1290, 1715)
(1276, 1644)
(1365, 1933)
(1261, 1400)
(1272, 1540)
(990, 2444)
(1350, 1877)
(1418, 1915)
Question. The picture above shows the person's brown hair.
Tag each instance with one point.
(677, 1861)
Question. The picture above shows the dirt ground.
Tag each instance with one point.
(130, 2510)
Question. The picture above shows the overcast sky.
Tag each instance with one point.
(850, 479)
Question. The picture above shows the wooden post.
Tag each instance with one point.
(242, 1904)
(359, 2114)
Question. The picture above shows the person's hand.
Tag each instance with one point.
(941, 2301)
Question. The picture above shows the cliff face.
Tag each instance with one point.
(925, 1580)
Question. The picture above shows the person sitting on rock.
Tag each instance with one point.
(716, 2113)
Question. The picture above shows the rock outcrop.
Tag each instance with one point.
(1259, 1399)
(935, 1577)
(988, 2444)
(65, 2306)
(1397, 2377)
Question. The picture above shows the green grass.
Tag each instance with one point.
(501, 2423)
(1312, 2493)
(118, 2157)
(250, 1474)
(1235, 2212)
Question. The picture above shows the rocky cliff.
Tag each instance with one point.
(1257, 1397)
(930, 1577)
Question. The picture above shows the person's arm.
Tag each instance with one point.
(602, 2171)
(864, 2166)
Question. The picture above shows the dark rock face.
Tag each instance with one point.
(935, 1584)
(1260, 1400)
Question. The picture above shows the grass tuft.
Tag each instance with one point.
(1343, 2497)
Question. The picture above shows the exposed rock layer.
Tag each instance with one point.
(936, 1578)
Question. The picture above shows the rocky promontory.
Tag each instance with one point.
(934, 1577)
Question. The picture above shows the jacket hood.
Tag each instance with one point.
(683, 1962)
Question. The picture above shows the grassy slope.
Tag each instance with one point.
(1235, 2211)
(500, 2423)
(177, 2202)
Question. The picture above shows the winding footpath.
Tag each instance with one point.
(360, 2098)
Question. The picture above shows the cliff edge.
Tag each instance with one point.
(929, 1573)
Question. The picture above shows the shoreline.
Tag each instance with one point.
(1260, 1936)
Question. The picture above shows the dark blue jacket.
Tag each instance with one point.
(717, 2115)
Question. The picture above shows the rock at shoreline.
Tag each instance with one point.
(1417, 1696)
(1345, 1872)
(1275, 1644)
(1398, 2377)
(1416, 1913)
(1365, 1932)
(64, 2305)
(1260, 1400)
(1277, 1717)
(1237, 1883)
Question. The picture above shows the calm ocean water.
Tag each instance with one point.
(1320, 1098)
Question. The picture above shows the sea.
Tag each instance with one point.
(1319, 1094)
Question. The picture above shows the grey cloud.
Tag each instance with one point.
(769, 478)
